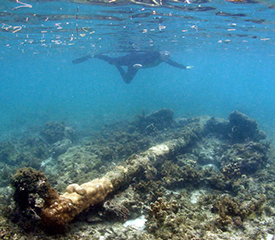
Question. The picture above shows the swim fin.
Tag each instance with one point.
(82, 59)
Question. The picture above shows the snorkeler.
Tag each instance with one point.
(135, 61)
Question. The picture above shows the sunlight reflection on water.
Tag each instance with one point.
(119, 25)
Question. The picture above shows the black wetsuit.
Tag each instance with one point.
(134, 61)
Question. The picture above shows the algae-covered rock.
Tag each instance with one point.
(243, 128)
(156, 121)
(53, 131)
(161, 218)
(60, 147)
(8, 153)
(32, 192)
(218, 126)
(115, 210)
(238, 128)
(178, 175)
(233, 211)
(244, 158)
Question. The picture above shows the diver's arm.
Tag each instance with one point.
(175, 64)
(129, 75)
(82, 59)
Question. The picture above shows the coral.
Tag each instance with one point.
(150, 190)
(154, 122)
(53, 131)
(24, 152)
(75, 200)
(27, 181)
(116, 143)
(37, 147)
(208, 150)
(191, 158)
(244, 158)
(231, 210)
(160, 208)
(218, 126)
(60, 147)
(244, 128)
(8, 153)
(161, 215)
(172, 220)
(239, 129)
(27, 159)
(115, 210)
(32, 192)
(71, 134)
(216, 180)
(174, 175)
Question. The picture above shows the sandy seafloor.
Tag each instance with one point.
(219, 186)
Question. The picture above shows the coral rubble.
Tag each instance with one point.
(192, 178)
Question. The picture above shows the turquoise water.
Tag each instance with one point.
(230, 44)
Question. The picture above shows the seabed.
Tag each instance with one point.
(219, 184)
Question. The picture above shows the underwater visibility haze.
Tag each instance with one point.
(229, 43)
(230, 48)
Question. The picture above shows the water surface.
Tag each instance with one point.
(229, 43)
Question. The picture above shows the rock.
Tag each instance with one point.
(244, 159)
(53, 131)
(244, 128)
(156, 121)
(61, 147)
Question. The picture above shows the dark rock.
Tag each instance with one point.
(156, 121)
(61, 147)
(244, 128)
(32, 191)
(53, 131)
(244, 159)
(218, 126)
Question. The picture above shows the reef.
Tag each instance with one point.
(244, 128)
(154, 122)
(53, 131)
(32, 191)
(234, 211)
(115, 210)
(244, 158)
(187, 178)
(238, 129)
(162, 215)
(34, 149)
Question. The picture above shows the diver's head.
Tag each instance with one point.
(164, 55)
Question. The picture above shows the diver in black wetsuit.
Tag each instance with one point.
(134, 61)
